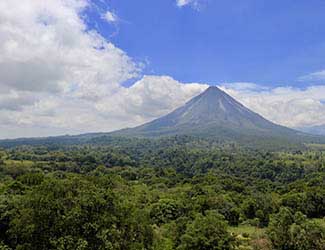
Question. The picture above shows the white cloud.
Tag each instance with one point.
(285, 105)
(48, 53)
(315, 76)
(149, 98)
(48, 48)
(181, 3)
(193, 3)
(14, 100)
(110, 17)
(244, 86)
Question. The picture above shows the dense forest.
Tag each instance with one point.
(177, 193)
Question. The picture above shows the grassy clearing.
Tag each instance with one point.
(316, 146)
(250, 237)
(253, 232)
(24, 163)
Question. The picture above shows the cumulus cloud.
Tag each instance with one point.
(16, 100)
(58, 77)
(47, 52)
(287, 106)
(48, 48)
(149, 98)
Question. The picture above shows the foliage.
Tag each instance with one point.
(207, 232)
(176, 193)
(294, 231)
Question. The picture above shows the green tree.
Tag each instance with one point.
(288, 231)
(207, 233)
(165, 210)
(77, 214)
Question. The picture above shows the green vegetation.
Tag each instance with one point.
(179, 193)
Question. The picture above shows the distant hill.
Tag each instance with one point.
(315, 130)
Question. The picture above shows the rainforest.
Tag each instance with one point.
(176, 193)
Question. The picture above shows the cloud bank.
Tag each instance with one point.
(287, 106)
(59, 77)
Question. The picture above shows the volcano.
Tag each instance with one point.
(212, 116)
(212, 113)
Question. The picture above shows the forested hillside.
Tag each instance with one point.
(173, 194)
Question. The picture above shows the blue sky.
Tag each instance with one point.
(78, 66)
(268, 42)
